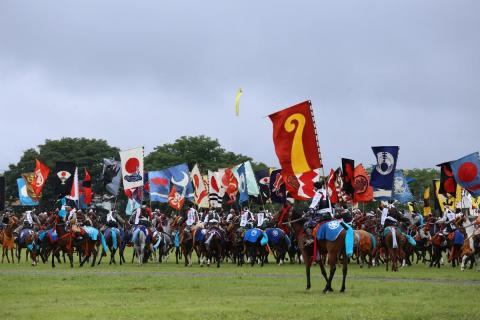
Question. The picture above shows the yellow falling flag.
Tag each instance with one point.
(237, 102)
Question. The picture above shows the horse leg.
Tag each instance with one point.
(70, 257)
(344, 272)
(387, 252)
(332, 261)
(19, 253)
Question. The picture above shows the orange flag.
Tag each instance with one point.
(361, 183)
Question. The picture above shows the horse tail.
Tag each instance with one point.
(104, 243)
(373, 240)
(394, 238)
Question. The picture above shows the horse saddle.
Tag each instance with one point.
(329, 230)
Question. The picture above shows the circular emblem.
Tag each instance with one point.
(385, 163)
(332, 225)
(131, 166)
(254, 232)
(275, 233)
(360, 184)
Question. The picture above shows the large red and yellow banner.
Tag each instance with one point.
(296, 146)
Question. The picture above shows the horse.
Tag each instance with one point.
(113, 240)
(238, 247)
(214, 246)
(467, 250)
(279, 243)
(199, 234)
(27, 239)
(58, 239)
(7, 239)
(255, 241)
(394, 241)
(331, 249)
(139, 240)
(163, 243)
(364, 245)
(186, 245)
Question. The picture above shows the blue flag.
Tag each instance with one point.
(466, 171)
(242, 183)
(25, 200)
(401, 191)
(180, 177)
(383, 172)
(159, 182)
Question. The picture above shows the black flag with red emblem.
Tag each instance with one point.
(348, 167)
(63, 177)
(447, 180)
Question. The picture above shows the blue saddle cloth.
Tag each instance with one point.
(329, 230)
(52, 234)
(275, 235)
(92, 232)
(410, 240)
(200, 235)
(458, 238)
(252, 235)
(41, 235)
(23, 235)
(113, 233)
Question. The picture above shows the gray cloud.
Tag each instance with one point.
(378, 72)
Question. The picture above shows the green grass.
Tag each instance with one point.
(170, 291)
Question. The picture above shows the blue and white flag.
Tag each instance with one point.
(159, 182)
(383, 172)
(25, 200)
(401, 191)
(242, 183)
(180, 178)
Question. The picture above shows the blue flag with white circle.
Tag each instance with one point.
(383, 172)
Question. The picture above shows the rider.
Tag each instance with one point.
(246, 217)
(111, 221)
(319, 210)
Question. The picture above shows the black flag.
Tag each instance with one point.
(447, 180)
(348, 166)
(263, 180)
(63, 177)
(278, 190)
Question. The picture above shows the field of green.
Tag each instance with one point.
(170, 291)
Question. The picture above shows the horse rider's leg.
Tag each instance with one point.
(306, 258)
(70, 257)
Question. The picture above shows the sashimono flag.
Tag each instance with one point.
(401, 191)
(467, 173)
(132, 168)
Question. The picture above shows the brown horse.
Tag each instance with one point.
(329, 250)
(64, 242)
(6, 238)
(394, 242)
(186, 245)
(364, 246)
(27, 239)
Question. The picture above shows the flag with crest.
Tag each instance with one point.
(201, 192)
(263, 181)
(466, 171)
(296, 146)
(348, 167)
(40, 177)
(278, 192)
(132, 168)
(384, 171)
(29, 181)
(361, 183)
(401, 190)
(63, 177)
(242, 184)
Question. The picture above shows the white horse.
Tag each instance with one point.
(468, 248)
(139, 239)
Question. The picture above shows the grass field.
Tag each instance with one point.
(170, 291)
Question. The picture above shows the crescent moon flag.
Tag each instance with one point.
(41, 174)
(466, 171)
(132, 168)
(297, 149)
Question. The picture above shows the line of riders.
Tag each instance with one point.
(218, 236)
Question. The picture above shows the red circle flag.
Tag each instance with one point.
(132, 165)
(467, 172)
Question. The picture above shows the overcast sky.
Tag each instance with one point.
(137, 73)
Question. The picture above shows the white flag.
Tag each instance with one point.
(201, 193)
(132, 168)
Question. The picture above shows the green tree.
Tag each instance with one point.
(84, 152)
(205, 151)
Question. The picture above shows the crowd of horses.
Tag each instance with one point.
(228, 243)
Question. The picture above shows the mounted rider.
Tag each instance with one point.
(320, 210)
(29, 219)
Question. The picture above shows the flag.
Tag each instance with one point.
(348, 166)
(201, 192)
(332, 191)
(74, 191)
(401, 191)
(29, 180)
(134, 200)
(361, 183)
(411, 207)
(252, 185)
(87, 187)
(2, 193)
(442, 200)
(237, 101)
(230, 184)
(159, 182)
(342, 196)
(263, 181)
(296, 146)
(111, 175)
(25, 200)
(180, 179)
(40, 177)
(175, 200)
(447, 180)
(213, 190)
(466, 171)
(132, 168)
(63, 177)
(383, 173)
(278, 192)
(242, 184)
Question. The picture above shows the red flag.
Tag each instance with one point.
(175, 200)
(297, 149)
(230, 184)
(361, 183)
(41, 173)
(332, 190)
(87, 187)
